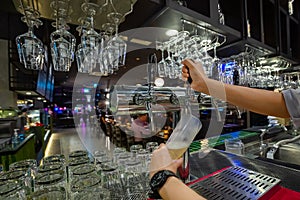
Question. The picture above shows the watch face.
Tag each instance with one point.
(159, 179)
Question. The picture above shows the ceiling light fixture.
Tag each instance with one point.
(125, 38)
(28, 93)
(159, 82)
(171, 32)
(139, 41)
(291, 8)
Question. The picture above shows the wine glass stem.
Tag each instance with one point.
(116, 29)
(162, 55)
(169, 51)
(92, 22)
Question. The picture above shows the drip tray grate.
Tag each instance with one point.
(235, 183)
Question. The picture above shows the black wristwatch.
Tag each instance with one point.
(158, 180)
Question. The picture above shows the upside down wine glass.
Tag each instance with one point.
(30, 48)
(107, 60)
(117, 42)
(161, 65)
(62, 42)
(90, 40)
(62, 49)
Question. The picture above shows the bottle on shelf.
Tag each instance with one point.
(221, 15)
(15, 138)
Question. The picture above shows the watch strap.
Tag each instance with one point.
(158, 180)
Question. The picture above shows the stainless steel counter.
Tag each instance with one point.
(217, 160)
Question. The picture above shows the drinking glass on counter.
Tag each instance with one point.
(143, 155)
(134, 149)
(82, 170)
(133, 165)
(12, 189)
(234, 145)
(151, 146)
(50, 179)
(98, 156)
(29, 165)
(80, 184)
(45, 168)
(21, 176)
(78, 153)
(95, 193)
(54, 159)
(74, 162)
(123, 157)
(49, 193)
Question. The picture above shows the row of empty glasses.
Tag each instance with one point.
(117, 174)
(250, 70)
(30, 48)
(290, 80)
(101, 54)
(97, 54)
(194, 44)
(180, 47)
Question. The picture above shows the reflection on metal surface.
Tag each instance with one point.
(289, 153)
(235, 183)
(132, 98)
(286, 152)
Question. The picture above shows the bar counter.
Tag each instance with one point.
(22, 150)
(217, 160)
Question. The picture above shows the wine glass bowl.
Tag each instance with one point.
(115, 18)
(30, 48)
(117, 43)
(62, 42)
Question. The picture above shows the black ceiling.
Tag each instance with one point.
(145, 13)
(12, 26)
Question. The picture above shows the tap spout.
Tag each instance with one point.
(286, 141)
(275, 147)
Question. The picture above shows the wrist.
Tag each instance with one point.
(201, 85)
(169, 181)
(159, 179)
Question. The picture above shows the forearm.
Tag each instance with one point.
(175, 189)
(256, 100)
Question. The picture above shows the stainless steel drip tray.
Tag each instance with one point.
(235, 183)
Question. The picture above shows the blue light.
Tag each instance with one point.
(86, 90)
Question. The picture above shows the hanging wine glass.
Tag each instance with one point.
(176, 56)
(90, 40)
(80, 55)
(207, 60)
(161, 65)
(195, 48)
(216, 62)
(181, 44)
(108, 59)
(170, 63)
(116, 42)
(62, 42)
(30, 48)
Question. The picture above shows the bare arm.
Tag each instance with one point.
(256, 100)
(174, 188)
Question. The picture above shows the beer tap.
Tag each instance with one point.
(150, 98)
